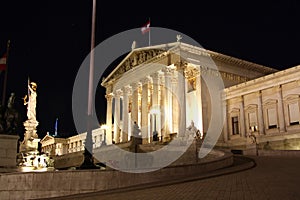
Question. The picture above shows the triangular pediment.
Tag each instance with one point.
(136, 58)
(46, 138)
(141, 56)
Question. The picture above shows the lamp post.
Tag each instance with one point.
(155, 111)
(155, 134)
(88, 162)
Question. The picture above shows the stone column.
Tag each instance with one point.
(167, 103)
(155, 104)
(162, 108)
(144, 114)
(199, 103)
(175, 105)
(117, 117)
(155, 79)
(135, 103)
(225, 127)
(182, 101)
(109, 119)
(242, 118)
(261, 126)
(126, 91)
(280, 112)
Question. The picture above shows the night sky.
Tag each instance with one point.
(50, 40)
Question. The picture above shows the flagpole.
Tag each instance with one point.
(149, 32)
(88, 162)
(5, 77)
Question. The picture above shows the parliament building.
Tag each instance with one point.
(166, 88)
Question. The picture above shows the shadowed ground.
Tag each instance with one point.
(271, 178)
(266, 178)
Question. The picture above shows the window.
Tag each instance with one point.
(293, 113)
(235, 125)
(272, 118)
(253, 121)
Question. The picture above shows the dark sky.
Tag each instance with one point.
(50, 40)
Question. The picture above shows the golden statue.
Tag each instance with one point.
(31, 103)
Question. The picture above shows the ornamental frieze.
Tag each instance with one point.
(205, 71)
(136, 59)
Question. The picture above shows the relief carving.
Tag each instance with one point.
(135, 59)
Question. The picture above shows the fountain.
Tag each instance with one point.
(29, 158)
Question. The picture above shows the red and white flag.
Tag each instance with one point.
(3, 63)
(146, 27)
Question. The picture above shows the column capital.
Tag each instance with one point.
(118, 93)
(109, 88)
(180, 65)
(109, 97)
(145, 80)
(167, 71)
(155, 75)
(134, 85)
(126, 90)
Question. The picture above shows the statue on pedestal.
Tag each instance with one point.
(30, 142)
(9, 117)
(192, 132)
(31, 103)
(30, 158)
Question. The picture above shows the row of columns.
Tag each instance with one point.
(162, 99)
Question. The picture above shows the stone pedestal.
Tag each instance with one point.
(8, 152)
(31, 140)
(29, 158)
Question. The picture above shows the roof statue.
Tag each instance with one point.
(133, 46)
(179, 37)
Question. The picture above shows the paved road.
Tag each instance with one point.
(272, 178)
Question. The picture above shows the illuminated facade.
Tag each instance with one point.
(148, 86)
(150, 83)
(267, 107)
(59, 146)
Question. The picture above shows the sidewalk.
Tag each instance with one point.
(188, 188)
(271, 178)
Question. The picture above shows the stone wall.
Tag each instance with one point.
(8, 152)
(59, 183)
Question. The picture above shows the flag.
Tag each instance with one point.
(3, 63)
(146, 27)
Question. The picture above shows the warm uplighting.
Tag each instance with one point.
(104, 126)
(155, 109)
(35, 163)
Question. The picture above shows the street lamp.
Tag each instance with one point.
(155, 134)
(155, 111)
(88, 162)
